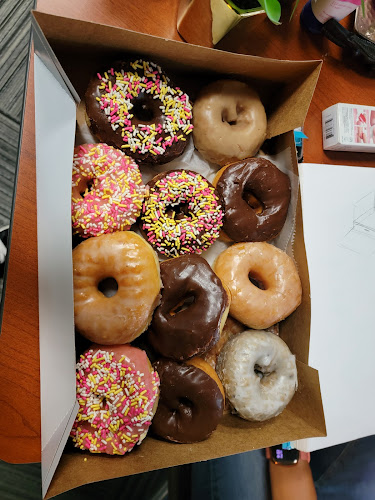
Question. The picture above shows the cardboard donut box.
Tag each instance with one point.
(66, 53)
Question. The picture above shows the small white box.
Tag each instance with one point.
(349, 127)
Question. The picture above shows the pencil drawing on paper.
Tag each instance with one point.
(361, 237)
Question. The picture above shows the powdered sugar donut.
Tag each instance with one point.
(258, 373)
(117, 392)
(107, 190)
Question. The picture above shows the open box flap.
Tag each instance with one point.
(55, 111)
(288, 85)
(43, 49)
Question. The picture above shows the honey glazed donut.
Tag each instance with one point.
(263, 282)
(127, 259)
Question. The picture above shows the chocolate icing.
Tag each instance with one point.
(190, 405)
(197, 328)
(147, 112)
(271, 187)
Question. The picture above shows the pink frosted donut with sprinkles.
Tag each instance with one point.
(118, 393)
(107, 190)
(134, 107)
(181, 213)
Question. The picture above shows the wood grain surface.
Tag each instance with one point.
(341, 80)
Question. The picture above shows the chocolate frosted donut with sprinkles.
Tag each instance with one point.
(107, 190)
(118, 393)
(181, 213)
(134, 107)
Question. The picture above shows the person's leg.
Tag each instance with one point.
(346, 471)
(20, 481)
(23, 482)
(242, 477)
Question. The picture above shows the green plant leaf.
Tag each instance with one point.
(273, 10)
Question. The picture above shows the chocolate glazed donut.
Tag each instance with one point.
(192, 311)
(146, 111)
(256, 196)
(190, 405)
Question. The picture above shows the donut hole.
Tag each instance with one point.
(108, 287)
(143, 111)
(252, 201)
(185, 404)
(257, 281)
(182, 305)
(178, 212)
(258, 371)
(86, 187)
(226, 117)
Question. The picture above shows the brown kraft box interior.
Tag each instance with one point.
(286, 89)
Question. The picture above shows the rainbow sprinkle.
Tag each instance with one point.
(118, 89)
(115, 198)
(194, 232)
(115, 406)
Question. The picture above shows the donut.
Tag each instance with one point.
(256, 196)
(191, 401)
(107, 190)
(231, 328)
(230, 122)
(181, 213)
(117, 392)
(263, 282)
(258, 373)
(116, 279)
(193, 308)
(133, 107)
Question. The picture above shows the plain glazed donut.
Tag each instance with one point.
(133, 107)
(263, 282)
(181, 213)
(126, 258)
(191, 401)
(193, 308)
(258, 373)
(256, 196)
(107, 190)
(229, 122)
(117, 392)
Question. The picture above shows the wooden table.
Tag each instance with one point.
(341, 80)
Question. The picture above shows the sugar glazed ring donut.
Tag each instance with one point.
(133, 107)
(193, 309)
(230, 122)
(258, 373)
(117, 392)
(263, 281)
(256, 196)
(191, 401)
(107, 190)
(127, 260)
(181, 214)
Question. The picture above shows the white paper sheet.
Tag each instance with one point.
(339, 227)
